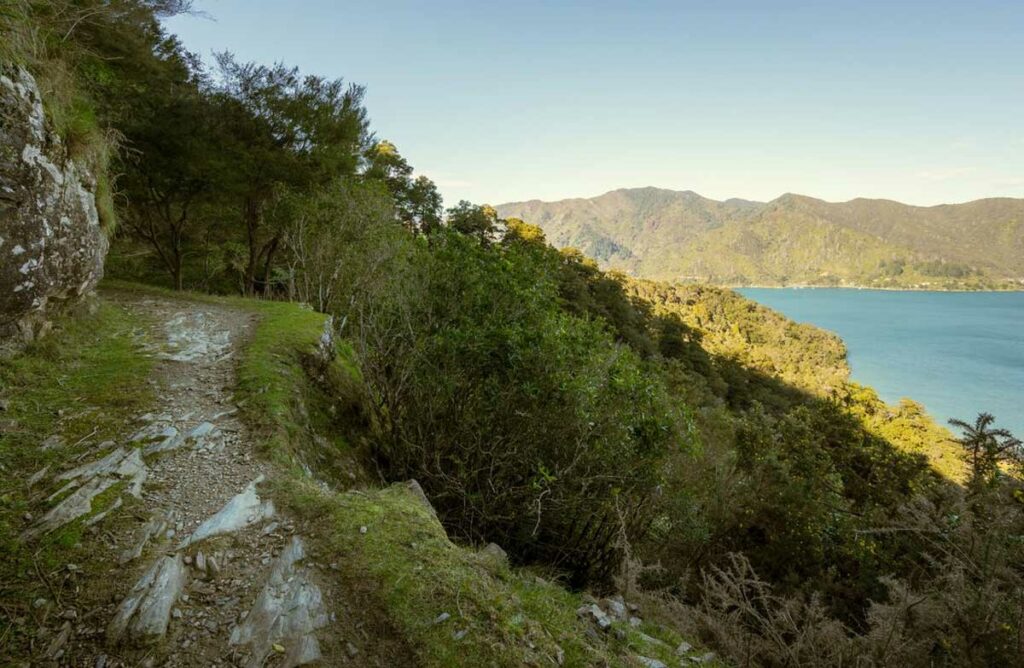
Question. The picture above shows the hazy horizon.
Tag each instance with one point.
(748, 199)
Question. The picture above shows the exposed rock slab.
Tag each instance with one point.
(287, 613)
(195, 336)
(92, 479)
(71, 508)
(152, 528)
(144, 614)
(242, 510)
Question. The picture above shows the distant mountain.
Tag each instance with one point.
(792, 240)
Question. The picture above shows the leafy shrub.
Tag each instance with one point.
(526, 425)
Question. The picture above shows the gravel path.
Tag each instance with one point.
(206, 572)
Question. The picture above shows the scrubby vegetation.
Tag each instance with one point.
(680, 441)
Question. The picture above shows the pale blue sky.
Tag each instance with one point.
(921, 102)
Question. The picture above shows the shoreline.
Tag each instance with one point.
(862, 288)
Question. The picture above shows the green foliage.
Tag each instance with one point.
(988, 448)
(480, 221)
(335, 237)
(516, 417)
(417, 201)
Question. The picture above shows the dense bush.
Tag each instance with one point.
(525, 424)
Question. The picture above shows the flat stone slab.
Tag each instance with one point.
(153, 528)
(71, 508)
(242, 510)
(144, 614)
(94, 478)
(287, 612)
(193, 337)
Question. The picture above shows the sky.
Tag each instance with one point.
(921, 102)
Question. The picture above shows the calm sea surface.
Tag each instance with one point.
(958, 353)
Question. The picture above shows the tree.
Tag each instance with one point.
(338, 239)
(171, 161)
(422, 205)
(288, 132)
(987, 448)
(480, 221)
(417, 202)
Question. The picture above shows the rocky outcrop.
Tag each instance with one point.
(52, 246)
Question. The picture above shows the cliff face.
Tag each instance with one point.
(51, 244)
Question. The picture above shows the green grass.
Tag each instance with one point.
(510, 617)
(84, 382)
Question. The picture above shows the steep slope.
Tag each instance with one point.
(664, 234)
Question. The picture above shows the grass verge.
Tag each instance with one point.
(82, 384)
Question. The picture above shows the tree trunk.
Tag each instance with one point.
(269, 251)
(252, 214)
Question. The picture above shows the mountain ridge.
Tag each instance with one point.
(793, 239)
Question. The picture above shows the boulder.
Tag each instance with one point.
(417, 492)
(52, 246)
(494, 554)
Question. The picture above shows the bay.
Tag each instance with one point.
(957, 353)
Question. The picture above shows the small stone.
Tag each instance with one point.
(38, 475)
(101, 661)
(635, 622)
(648, 662)
(595, 614)
(460, 634)
(351, 650)
(56, 648)
(39, 603)
(27, 517)
(614, 607)
(442, 618)
(684, 648)
(176, 613)
(704, 658)
(277, 647)
(188, 560)
(362, 529)
(201, 562)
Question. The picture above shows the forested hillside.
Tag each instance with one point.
(792, 240)
(678, 446)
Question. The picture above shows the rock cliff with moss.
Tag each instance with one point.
(51, 240)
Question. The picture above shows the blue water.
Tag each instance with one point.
(958, 353)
